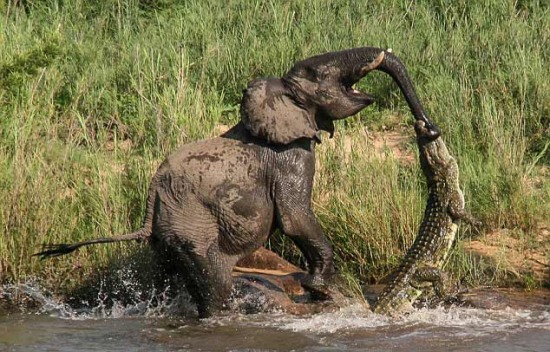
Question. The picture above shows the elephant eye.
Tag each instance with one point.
(314, 74)
(325, 73)
(311, 74)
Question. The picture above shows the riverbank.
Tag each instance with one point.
(263, 283)
(93, 96)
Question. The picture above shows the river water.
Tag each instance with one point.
(148, 326)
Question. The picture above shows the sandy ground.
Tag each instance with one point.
(520, 259)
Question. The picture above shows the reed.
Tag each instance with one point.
(94, 95)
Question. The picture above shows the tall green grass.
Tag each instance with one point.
(93, 95)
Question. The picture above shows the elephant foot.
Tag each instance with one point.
(210, 308)
(321, 289)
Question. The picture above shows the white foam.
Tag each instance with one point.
(471, 321)
(355, 317)
(156, 304)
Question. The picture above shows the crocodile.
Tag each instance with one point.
(422, 266)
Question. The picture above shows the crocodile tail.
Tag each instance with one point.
(397, 283)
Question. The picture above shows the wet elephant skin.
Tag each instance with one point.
(215, 201)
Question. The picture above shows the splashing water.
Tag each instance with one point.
(105, 306)
(474, 322)
(153, 321)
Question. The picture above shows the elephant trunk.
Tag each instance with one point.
(369, 58)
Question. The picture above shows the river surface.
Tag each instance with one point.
(143, 326)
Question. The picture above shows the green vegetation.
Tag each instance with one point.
(93, 95)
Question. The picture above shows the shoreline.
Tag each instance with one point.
(270, 279)
(480, 297)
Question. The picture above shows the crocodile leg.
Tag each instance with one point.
(421, 269)
(433, 275)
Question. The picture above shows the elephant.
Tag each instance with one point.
(212, 202)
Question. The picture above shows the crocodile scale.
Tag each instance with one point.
(424, 261)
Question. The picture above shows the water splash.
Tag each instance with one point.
(469, 321)
(31, 293)
(128, 301)
(350, 319)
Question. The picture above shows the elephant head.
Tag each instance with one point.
(319, 90)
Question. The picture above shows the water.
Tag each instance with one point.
(150, 325)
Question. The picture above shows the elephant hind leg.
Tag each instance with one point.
(221, 281)
(186, 232)
(209, 281)
(207, 278)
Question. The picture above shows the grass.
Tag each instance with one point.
(93, 96)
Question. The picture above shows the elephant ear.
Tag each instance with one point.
(268, 112)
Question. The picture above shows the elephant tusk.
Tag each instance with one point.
(374, 64)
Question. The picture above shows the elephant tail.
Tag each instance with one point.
(56, 250)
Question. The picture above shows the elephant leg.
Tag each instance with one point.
(199, 279)
(178, 264)
(207, 278)
(184, 231)
(220, 267)
(302, 228)
(295, 216)
(198, 274)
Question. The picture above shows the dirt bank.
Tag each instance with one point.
(527, 262)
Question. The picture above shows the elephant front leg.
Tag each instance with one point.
(302, 228)
(296, 219)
